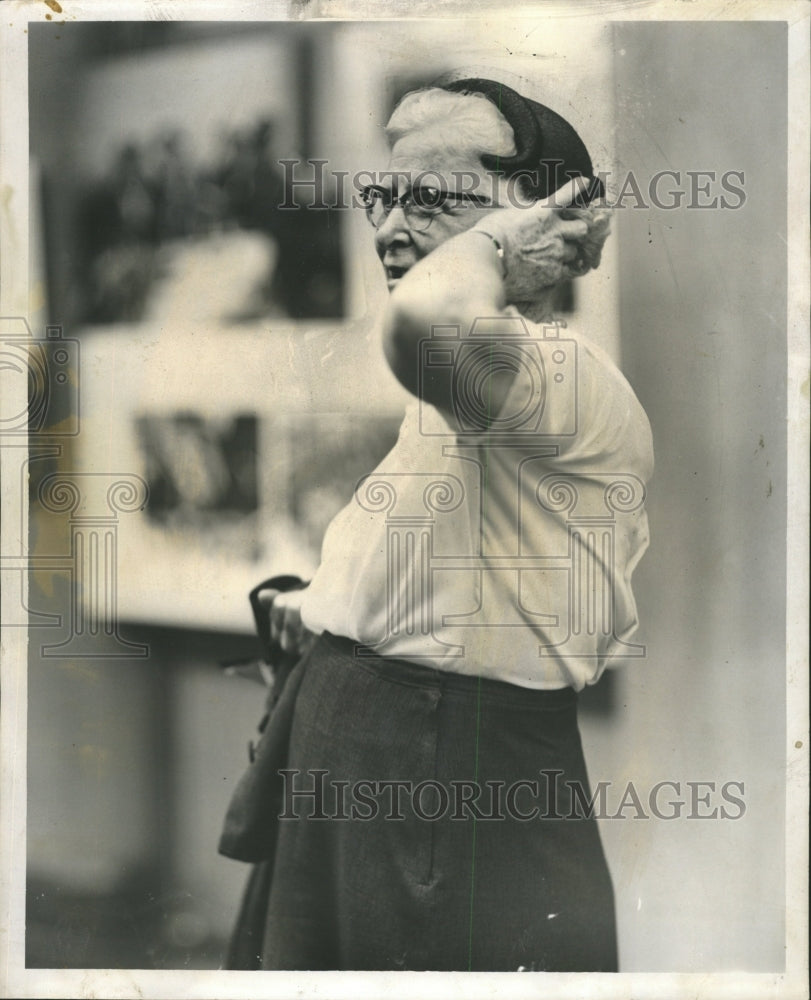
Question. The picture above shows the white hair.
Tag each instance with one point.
(471, 123)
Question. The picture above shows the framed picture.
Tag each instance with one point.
(161, 196)
(236, 481)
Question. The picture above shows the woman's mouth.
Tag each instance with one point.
(393, 274)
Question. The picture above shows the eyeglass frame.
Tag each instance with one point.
(407, 200)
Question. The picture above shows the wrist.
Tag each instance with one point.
(497, 244)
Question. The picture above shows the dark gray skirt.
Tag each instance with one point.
(429, 822)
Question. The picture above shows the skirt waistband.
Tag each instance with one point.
(448, 682)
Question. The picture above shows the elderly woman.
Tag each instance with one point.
(424, 755)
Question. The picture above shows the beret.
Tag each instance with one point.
(548, 149)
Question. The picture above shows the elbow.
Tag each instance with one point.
(408, 325)
(403, 330)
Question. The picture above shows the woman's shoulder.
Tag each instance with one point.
(581, 378)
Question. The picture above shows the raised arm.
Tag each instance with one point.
(513, 256)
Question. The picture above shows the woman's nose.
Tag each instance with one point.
(393, 230)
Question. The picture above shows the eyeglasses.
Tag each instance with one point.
(420, 204)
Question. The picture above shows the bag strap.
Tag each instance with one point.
(273, 654)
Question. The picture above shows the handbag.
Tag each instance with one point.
(251, 821)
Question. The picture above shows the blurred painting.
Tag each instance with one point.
(167, 193)
(201, 472)
(159, 227)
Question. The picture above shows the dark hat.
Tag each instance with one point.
(548, 150)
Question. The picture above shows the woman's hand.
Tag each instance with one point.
(286, 627)
(547, 242)
(461, 279)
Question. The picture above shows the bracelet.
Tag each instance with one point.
(499, 249)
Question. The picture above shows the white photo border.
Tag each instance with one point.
(15, 979)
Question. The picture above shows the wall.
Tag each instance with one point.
(703, 325)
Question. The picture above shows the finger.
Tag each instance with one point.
(555, 223)
(266, 598)
(572, 229)
(565, 195)
(286, 620)
(293, 637)
(278, 613)
(290, 632)
(576, 212)
(578, 266)
(570, 252)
